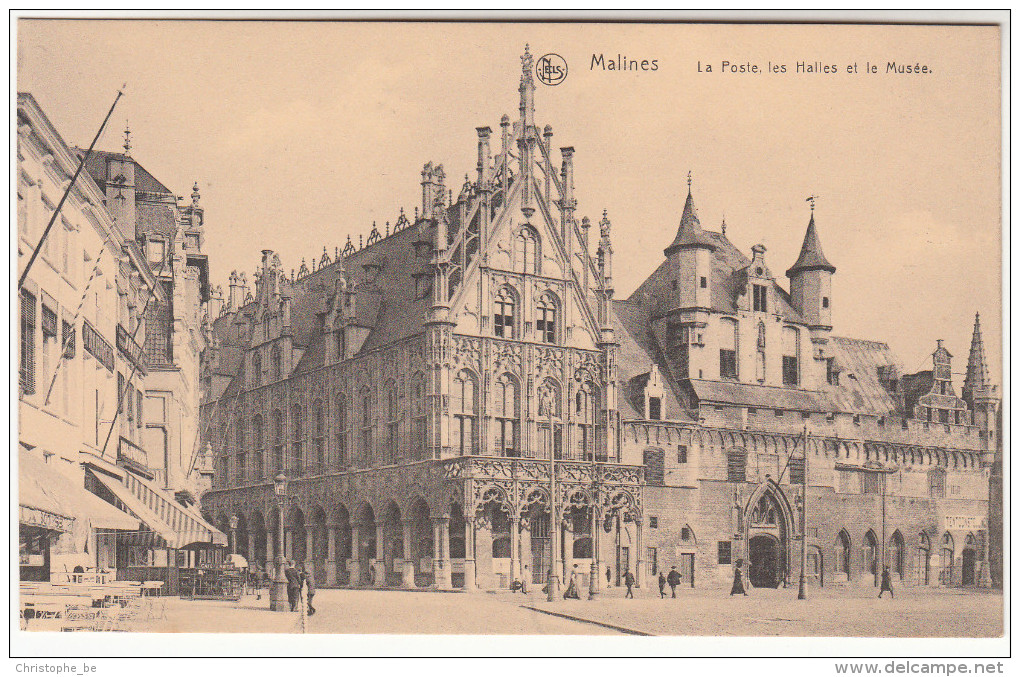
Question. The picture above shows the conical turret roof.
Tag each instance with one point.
(811, 256)
(689, 234)
(977, 369)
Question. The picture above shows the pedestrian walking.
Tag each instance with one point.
(609, 577)
(662, 585)
(293, 585)
(628, 579)
(886, 583)
(308, 577)
(738, 580)
(256, 580)
(572, 592)
(524, 580)
(674, 580)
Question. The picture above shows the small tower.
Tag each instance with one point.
(811, 279)
(979, 393)
(689, 284)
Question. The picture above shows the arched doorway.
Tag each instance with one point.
(870, 556)
(541, 543)
(896, 556)
(768, 527)
(393, 549)
(259, 529)
(241, 538)
(968, 565)
(296, 537)
(946, 560)
(343, 544)
(458, 545)
(764, 555)
(422, 545)
(843, 555)
(923, 560)
(320, 545)
(365, 548)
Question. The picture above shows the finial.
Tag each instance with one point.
(585, 223)
(361, 243)
(127, 137)
(194, 193)
(526, 60)
(811, 199)
(724, 223)
(387, 229)
(688, 181)
(416, 214)
(336, 253)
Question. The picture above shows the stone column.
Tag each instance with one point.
(568, 551)
(408, 580)
(288, 542)
(310, 548)
(354, 570)
(271, 554)
(441, 529)
(515, 549)
(331, 580)
(469, 555)
(380, 555)
(251, 548)
(640, 558)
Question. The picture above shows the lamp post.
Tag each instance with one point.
(593, 576)
(233, 532)
(802, 587)
(553, 584)
(278, 593)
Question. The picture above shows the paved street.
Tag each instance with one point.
(829, 612)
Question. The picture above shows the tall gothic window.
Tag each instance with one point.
(319, 421)
(506, 409)
(278, 441)
(242, 452)
(418, 416)
(276, 361)
(298, 454)
(366, 426)
(392, 422)
(545, 319)
(258, 440)
(550, 424)
(465, 412)
(503, 314)
(256, 369)
(342, 431)
(528, 251)
(585, 407)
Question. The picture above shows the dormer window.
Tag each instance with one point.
(760, 293)
(655, 408)
(155, 250)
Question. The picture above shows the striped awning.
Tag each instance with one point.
(177, 525)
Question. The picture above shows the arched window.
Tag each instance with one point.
(465, 412)
(276, 363)
(528, 251)
(947, 555)
(923, 559)
(342, 431)
(242, 453)
(506, 407)
(870, 553)
(256, 369)
(896, 555)
(500, 532)
(843, 554)
(545, 319)
(585, 408)
(503, 316)
(278, 441)
(319, 421)
(366, 426)
(391, 422)
(580, 522)
(418, 416)
(298, 454)
(258, 442)
(550, 424)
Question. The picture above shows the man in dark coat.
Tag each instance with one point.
(308, 576)
(628, 579)
(662, 585)
(609, 577)
(886, 583)
(673, 579)
(293, 585)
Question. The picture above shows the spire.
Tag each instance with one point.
(127, 138)
(811, 256)
(689, 234)
(977, 369)
(527, 90)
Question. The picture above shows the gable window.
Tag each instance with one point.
(155, 249)
(545, 324)
(503, 314)
(728, 348)
(760, 293)
(655, 408)
(528, 251)
(465, 413)
(791, 356)
(505, 408)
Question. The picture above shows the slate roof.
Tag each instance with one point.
(811, 256)
(96, 167)
(860, 390)
(689, 234)
(756, 395)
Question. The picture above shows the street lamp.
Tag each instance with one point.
(233, 531)
(593, 576)
(802, 588)
(278, 593)
(553, 584)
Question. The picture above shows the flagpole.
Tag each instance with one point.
(56, 212)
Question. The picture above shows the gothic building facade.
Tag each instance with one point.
(462, 402)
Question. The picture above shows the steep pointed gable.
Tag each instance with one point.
(811, 256)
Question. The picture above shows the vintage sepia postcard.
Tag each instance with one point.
(580, 328)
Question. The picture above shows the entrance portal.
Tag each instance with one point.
(967, 571)
(765, 561)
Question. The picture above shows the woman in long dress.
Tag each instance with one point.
(738, 580)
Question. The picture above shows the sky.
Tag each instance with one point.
(302, 133)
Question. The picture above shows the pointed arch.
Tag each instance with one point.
(896, 555)
(504, 312)
(547, 313)
(843, 556)
(528, 250)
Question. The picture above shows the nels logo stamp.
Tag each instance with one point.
(551, 69)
